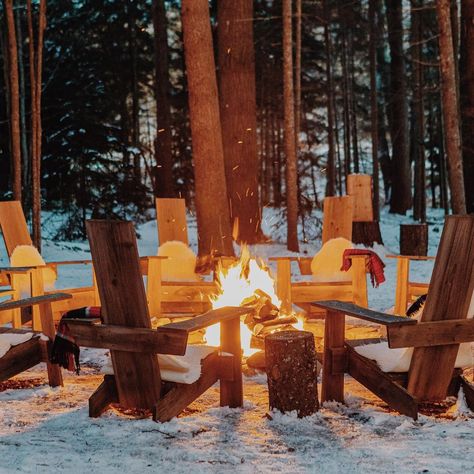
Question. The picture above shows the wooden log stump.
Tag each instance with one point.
(366, 233)
(290, 358)
(414, 239)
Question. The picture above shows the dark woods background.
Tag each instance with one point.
(104, 72)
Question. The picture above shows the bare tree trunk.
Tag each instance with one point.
(419, 208)
(24, 139)
(212, 209)
(401, 199)
(163, 170)
(298, 14)
(331, 160)
(290, 151)
(450, 108)
(374, 126)
(346, 110)
(132, 45)
(14, 101)
(238, 111)
(467, 98)
(352, 104)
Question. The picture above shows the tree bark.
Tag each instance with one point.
(401, 199)
(24, 140)
(163, 169)
(14, 101)
(331, 160)
(238, 111)
(289, 114)
(419, 204)
(450, 108)
(374, 125)
(212, 209)
(467, 98)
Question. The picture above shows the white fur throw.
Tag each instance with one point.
(326, 264)
(28, 256)
(180, 264)
(180, 369)
(398, 360)
(7, 340)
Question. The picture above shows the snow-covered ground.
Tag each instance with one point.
(48, 430)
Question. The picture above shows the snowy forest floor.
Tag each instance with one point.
(48, 430)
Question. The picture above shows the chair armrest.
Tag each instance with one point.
(411, 257)
(207, 319)
(69, 262)
(50, 298)
(19, 270)
(355, 311)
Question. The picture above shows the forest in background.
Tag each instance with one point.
(113, 87)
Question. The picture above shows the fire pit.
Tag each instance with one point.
(248, 282)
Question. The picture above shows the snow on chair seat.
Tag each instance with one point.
(9, 340)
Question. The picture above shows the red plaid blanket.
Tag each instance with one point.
(375, 265)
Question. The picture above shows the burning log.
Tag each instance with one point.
(267, 327)
(291, 368)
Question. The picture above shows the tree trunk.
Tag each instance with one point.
(212, 209)
(24, 140)
(331, 160)
(236, 62)
(419, 204)
(132, 45)
(346, 112)
(289, 114)
(163, 169)
(374, 125)
(450, 108)
(14, 101)
(400, 200)
(467, 98)
(352, 104)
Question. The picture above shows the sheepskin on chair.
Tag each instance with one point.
(326, 264)
(398, 360)
(180, 264)
(28, 256)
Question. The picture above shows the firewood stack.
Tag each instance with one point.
(265, 319)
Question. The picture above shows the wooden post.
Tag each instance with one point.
(334, 351)
(37, 289)
(401, 291)
(414, 239)
(290, 359)
(359, 281)
(153, 286)
(337, 218)
(231, 392)
(283, 284)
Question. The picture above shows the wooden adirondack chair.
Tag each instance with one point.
(134, 346)
(23, 356)
(15, 232)
(435, 338)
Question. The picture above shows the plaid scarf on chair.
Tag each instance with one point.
(65, 351)
(375, 265)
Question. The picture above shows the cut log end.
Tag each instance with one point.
(290, 358)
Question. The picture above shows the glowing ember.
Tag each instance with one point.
(238, 284)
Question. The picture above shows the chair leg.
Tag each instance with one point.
(333, 380)
(231, 392)
(105, 394)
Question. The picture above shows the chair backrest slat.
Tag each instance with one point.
(122, 295)
(171, 219)
(449, 296)
(13, 225)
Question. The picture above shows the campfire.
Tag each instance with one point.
(248, 282)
